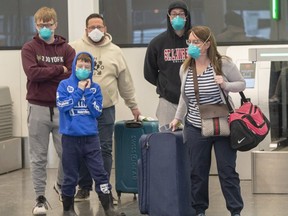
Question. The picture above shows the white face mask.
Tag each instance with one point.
(96, 35)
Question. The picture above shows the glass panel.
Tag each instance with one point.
(243, 22)
(17, 20)
(278, 100)
(9, 22)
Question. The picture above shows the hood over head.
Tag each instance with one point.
(75, 62)
(178, 4)
(182, 5)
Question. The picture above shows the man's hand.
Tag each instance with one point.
(136, 113)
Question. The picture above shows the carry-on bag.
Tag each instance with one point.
(127, 152)
(163, 175)
(248, 126)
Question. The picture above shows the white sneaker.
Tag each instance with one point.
(41, 206)
(57, 188)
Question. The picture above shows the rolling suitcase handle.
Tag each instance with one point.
(133, 124)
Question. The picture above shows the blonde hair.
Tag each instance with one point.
(46, 14)
(204, 33)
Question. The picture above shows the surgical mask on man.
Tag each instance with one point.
(178, 23)
(82, 73)
(45, 33)
(96, 35)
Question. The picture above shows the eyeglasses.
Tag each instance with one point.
(181, 14)
(195, 42)
(94, 27)
(46, 25)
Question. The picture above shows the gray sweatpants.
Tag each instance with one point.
(41, 122)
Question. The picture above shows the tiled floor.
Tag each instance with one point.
(17, 199)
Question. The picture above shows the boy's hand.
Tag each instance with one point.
(82, 84)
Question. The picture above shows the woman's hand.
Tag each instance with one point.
(220, 81)
(174, 124)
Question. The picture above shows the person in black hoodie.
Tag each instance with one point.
(164, 56)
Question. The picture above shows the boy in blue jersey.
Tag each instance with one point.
(79, 101)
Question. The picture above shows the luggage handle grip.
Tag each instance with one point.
(133, 124)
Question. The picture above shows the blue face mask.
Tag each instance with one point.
(178, 23)
(82, 73)
(45, 33)
(194, 51)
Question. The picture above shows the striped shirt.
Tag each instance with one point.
(209, 93)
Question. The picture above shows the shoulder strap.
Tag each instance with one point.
(244, 99)
(195, 81)
(227, 101)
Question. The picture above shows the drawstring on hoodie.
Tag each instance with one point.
(51, 109)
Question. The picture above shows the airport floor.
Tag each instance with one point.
(17, 199)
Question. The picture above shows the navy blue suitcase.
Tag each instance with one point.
(127, 153)
(163, 175)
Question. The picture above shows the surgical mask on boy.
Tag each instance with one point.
(178, 23)
(82, 73)
(45, 33)
(96, 35)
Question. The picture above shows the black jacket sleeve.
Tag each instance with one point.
(151, 69)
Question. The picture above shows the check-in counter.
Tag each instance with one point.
(270, 171)
(10, 147)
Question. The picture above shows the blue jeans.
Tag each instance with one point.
(77, 149)
(200, 161)
(106, 128)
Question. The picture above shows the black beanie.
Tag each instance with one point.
(178, 4)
